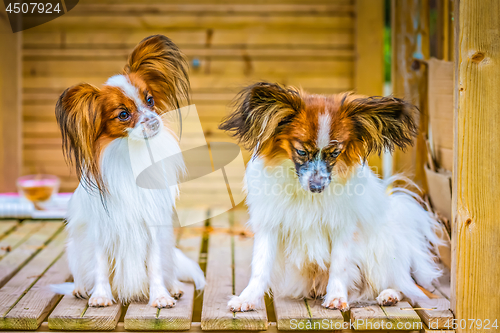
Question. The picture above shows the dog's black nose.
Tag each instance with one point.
(315, 187)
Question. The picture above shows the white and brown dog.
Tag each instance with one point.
(324, 223)
(121, 244)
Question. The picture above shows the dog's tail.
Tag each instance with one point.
(63, 288)
(188, 270)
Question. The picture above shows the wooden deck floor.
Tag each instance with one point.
(32, 257)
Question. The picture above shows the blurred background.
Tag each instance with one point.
(323, 46)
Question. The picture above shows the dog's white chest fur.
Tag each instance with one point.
(122, 224)
(381, 235)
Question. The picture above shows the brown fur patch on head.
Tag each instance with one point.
(80, 122)
(160, 63)
(262, 111)
(378, 123)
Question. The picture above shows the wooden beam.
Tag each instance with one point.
(476, 189)
(410, 41)
(369, 70)
(10, 105)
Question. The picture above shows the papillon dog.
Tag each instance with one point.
(325, 225)
(120, 237)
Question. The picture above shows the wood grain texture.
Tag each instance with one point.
(228, 255)
(243, 246)
(7, 226)
(369, 69)
(36, 241)
(475, 230)
(19, 236)
(410, 42)
(36, 304)
(73, 314)
(10, 105)
(141, 316)
(215, 315)
(400, 316)
(435, 313)
(13, 291)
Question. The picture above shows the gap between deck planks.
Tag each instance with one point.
(228, 272)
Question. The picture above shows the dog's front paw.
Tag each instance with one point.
(239, 304)
(163, 302)
(336, 303)
(389, 297)
(98, 301)
(176, 290)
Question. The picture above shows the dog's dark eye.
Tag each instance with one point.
(301, 152)
(124, 115)
(150, 101)
(336, 153)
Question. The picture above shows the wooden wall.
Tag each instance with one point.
(307, 44)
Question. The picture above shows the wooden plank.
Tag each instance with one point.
(73, 314)
(14, 260)
(403, 314)
(410, 41)
(34, 307)
(243, 246)
(219, 274)
(400, 316)
(475, 231)
(291, 314)
(369, 70)
(142, 317)
(192, 38)
(435, 313)
(111, 23)
(368, 317)
(13, 291)
(19, 236)
(7, 226)
(10, 105)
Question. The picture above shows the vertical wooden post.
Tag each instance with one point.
(10, 105)
(370, 55)
(476, 183)
(410, 41)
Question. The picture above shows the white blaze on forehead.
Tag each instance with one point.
(325, 124)
(131, 91)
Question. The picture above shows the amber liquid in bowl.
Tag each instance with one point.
(37, 193)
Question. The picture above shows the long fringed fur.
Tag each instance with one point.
(160, 63)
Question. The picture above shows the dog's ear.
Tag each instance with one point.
(80, 121)
(380, 123)
(160, 63)
(261, 110)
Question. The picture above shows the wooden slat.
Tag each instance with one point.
(10, 105)
(73, 314)
(435, 313)
(32, 309)
(290, 313)
(374, 317)
(215, 314)
(243, 245)
(305, 314)
(14, 260)
(12, 292)
(7, 226)
(20, 235)
(142, 317)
